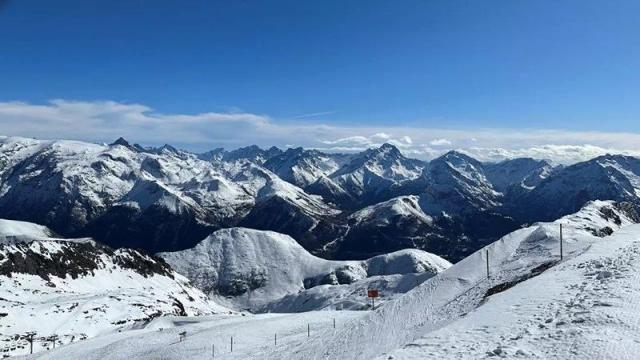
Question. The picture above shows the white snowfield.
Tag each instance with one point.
(268, 271)
(532, 306)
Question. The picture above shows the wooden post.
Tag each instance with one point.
(487, 254)
(334, 323)
(275, 339)
(308, 330)
(561, 252)
(213, 351)
(232, 344)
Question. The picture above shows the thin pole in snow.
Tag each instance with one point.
(275, 339)
(334, 323)
(213, 351)
(30, 338)
(561, 254)
(232, 344)
(487, 254)
(308, 330)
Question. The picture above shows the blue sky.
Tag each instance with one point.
(361, 67)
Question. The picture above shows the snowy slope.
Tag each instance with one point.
(518, 174)
(406, 206)
(302, 167)
(457, 183)
(252, 336)
(462, 288)
(12, 231)
(283, 207)
(388, 226)
(77, 289)
(585, 308)
(250, 269)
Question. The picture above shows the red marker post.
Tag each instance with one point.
(373, 294)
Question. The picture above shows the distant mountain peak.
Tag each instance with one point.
(387, 146)
(121, 141)
(456, 154)
(390, 149)
(169, 148)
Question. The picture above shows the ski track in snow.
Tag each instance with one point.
(585, 308)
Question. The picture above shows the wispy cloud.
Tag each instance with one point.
(313, 115)
(104, 121)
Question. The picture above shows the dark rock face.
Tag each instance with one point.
(453, 238)
(337, 277)
(240, 285)
(74, 259)
(155, 229)
(279, 215)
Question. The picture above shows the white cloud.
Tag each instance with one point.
(440, 142)
(563, 154)
(104, 121)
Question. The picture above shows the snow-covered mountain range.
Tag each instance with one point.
(340, 206)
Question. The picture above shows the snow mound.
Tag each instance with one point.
(405, 262)
(249, 268)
